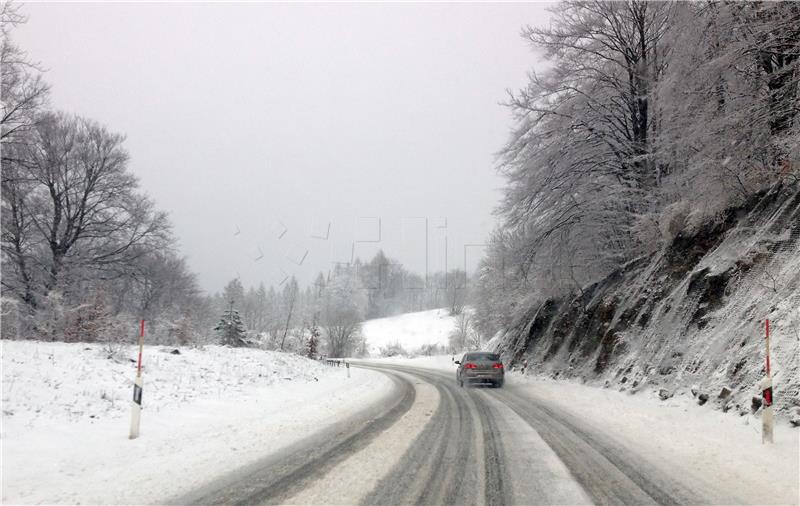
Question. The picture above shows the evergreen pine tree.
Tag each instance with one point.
(230, 328)
(313, 341)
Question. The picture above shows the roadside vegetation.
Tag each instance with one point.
(652, 120)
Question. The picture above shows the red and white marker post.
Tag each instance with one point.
(767, 421)
(136, 413)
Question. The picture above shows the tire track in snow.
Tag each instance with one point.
(608, 474)
(456, 460)
(605, 471)
(279, 476)
(459, 456)
(351, 480)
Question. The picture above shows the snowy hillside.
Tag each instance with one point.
(691, 314)
(66, 416)
(410, 330)
(63, 382)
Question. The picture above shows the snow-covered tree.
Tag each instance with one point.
(344, 303)
(650, 119)
(580, 163)
(24, 92)
(313, 341)
(234, 292)
(729, 101)
(464, 336)
(230, 329)
(290, 294)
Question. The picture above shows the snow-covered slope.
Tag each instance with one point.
(410, 330)
(46, 382)
(66, 415)
(692, 314)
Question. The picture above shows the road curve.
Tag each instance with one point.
(477, 446)
(454, 460)
(278, 476)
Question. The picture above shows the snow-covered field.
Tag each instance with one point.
(721, 449)
(66, 415)
(410, 330)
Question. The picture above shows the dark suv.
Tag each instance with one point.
(480, 367)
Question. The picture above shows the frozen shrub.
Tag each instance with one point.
(393, 350)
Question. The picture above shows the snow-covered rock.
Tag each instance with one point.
(689, 317)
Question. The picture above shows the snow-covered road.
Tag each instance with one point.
(397, 431)
(436, 443)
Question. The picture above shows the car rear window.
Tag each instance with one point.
(494, 357)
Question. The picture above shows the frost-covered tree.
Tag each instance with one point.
(23, 96)
(76, 212)
(580, 163)
(234, 291)
(456, 290)
(24, 92)
(343, 307)
(729, 101)
(651, 118)
(290, 294)
(313, 341)
(464, 336)
(383, 277)
(230, 329)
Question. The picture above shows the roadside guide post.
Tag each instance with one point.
(767, 422)
(347, 365)
(136, 412)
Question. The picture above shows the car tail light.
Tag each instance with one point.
(498, 365)
(470, 365)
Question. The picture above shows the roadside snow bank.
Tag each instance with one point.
(46, 383)
(66, 414)
(721, 450)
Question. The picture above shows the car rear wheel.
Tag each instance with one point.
(498, 384)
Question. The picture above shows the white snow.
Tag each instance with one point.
(434, 362)
(721, 450)
(66, 415)
(410, 330)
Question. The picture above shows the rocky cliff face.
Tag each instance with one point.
(690, 317)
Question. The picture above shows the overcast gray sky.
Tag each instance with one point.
(281, 138)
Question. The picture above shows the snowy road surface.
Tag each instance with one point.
(248, 426)
(436, 443)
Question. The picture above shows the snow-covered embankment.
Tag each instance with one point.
(66, 414)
